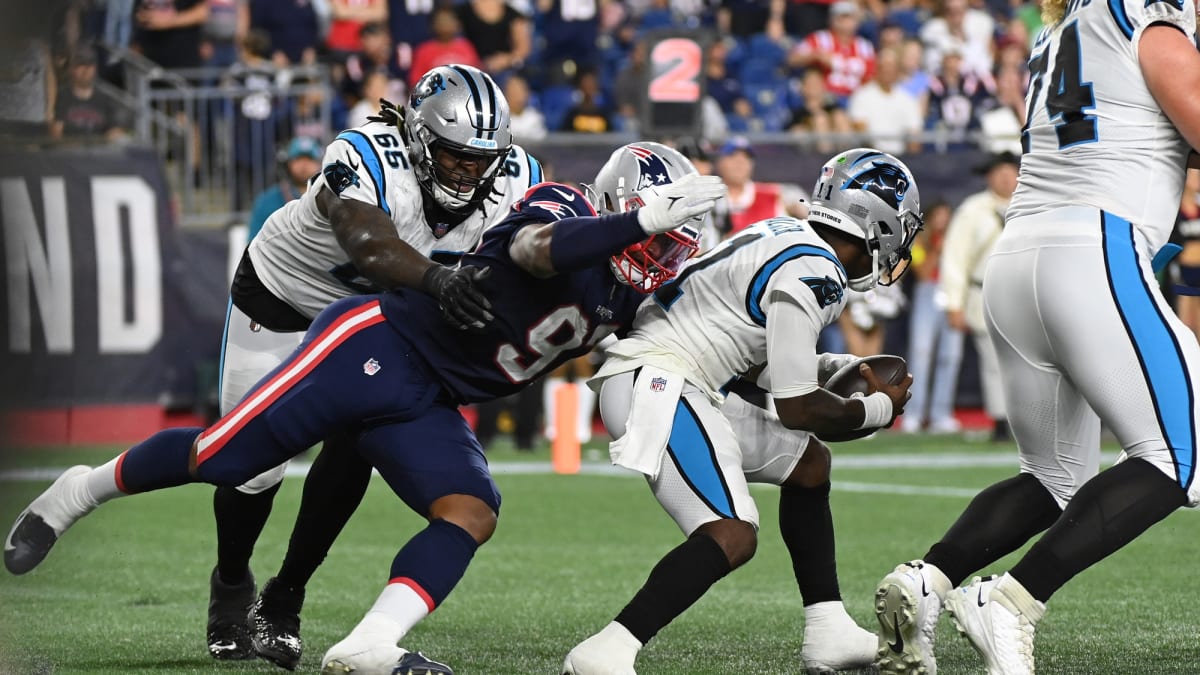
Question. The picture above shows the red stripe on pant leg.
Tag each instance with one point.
(319, 347)
(429, 603)
(117, 473)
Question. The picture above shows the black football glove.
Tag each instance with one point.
(458, 296)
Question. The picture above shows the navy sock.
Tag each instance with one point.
(678, 580)
(158, 462)
(435, 559)
(806, 524)
(240, 520)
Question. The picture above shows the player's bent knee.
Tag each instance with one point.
(264, 481)
(813, 468)
(470, 513)
(737, 538)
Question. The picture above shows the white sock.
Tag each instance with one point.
(587, 406)
(829, 615)
(549, 388)
(397, 609)
(101, 483)
(618, 638)
(941, 582)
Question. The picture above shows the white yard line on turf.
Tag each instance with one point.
(880, 461)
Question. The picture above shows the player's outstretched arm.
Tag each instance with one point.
(1171, 66)
(559, 244)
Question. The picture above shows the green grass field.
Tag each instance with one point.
(126, 590)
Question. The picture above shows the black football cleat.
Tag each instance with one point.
(275, 624)
(228, 629)
(31, 539)
(40, 525)
(415, 663)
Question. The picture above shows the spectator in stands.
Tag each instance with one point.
(1187, 228)
(722, 85)
(864, 321)
(81, 112)
(1002, 124)
(570, 29)
(956, 99)
(629, 89)
(590, 114)
(890, 116)
(957, 25)
(227, 23)
(291, 26)
(348, 18)
(256, 117)
(913, 77)
(377, 56)
(446, 46)
(934, 348)
(500, 34)
(525, 122)
(846, 59)
(819, 113)
(744, 18)
(409, 25)
(300, 162)
(805, 17)
(374, 88)
(970, 237)
(169, 31)
(748, 201)
(118, 24)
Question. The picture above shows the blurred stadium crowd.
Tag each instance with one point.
(889, 68)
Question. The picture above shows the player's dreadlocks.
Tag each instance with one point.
(389, 113)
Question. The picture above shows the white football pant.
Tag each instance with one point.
(1082, 333)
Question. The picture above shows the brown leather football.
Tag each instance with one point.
(847, 381)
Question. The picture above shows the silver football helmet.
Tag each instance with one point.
(655, 260)
(870, 195)
(457, 114)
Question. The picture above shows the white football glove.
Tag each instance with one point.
(666, 207)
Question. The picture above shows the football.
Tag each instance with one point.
(847, 382)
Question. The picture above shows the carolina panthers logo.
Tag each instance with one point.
(886, 181)
(340, 177)
(428, 87)
(828, 291)
(653, 168)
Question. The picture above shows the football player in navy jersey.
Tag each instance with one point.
(388, 367)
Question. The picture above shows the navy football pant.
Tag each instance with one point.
(352, 371)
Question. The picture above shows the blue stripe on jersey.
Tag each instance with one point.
(221, 363)
(1117, 9)
(474, 99)
(535, 169)
(693, 454)
(1154, 343)
(370, 159)
(758, 285)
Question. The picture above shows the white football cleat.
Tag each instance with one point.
(612, 651)
(833, 642)
(998, 616)
(908, 603)
(40, 525)
(355, 654)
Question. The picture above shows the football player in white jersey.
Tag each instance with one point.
(756, 303)
(413, 185)
(1082, 333)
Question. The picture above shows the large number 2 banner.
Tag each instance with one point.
(674, 83)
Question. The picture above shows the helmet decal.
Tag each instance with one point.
(884, 180)
(653, 168)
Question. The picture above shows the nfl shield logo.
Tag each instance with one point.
(371, 367)
(440, 230)
(658, 384)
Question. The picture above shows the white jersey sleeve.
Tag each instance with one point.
(357, 163)
(1095, 136)
(804, 297)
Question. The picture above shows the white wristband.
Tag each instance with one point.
(877, 410)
